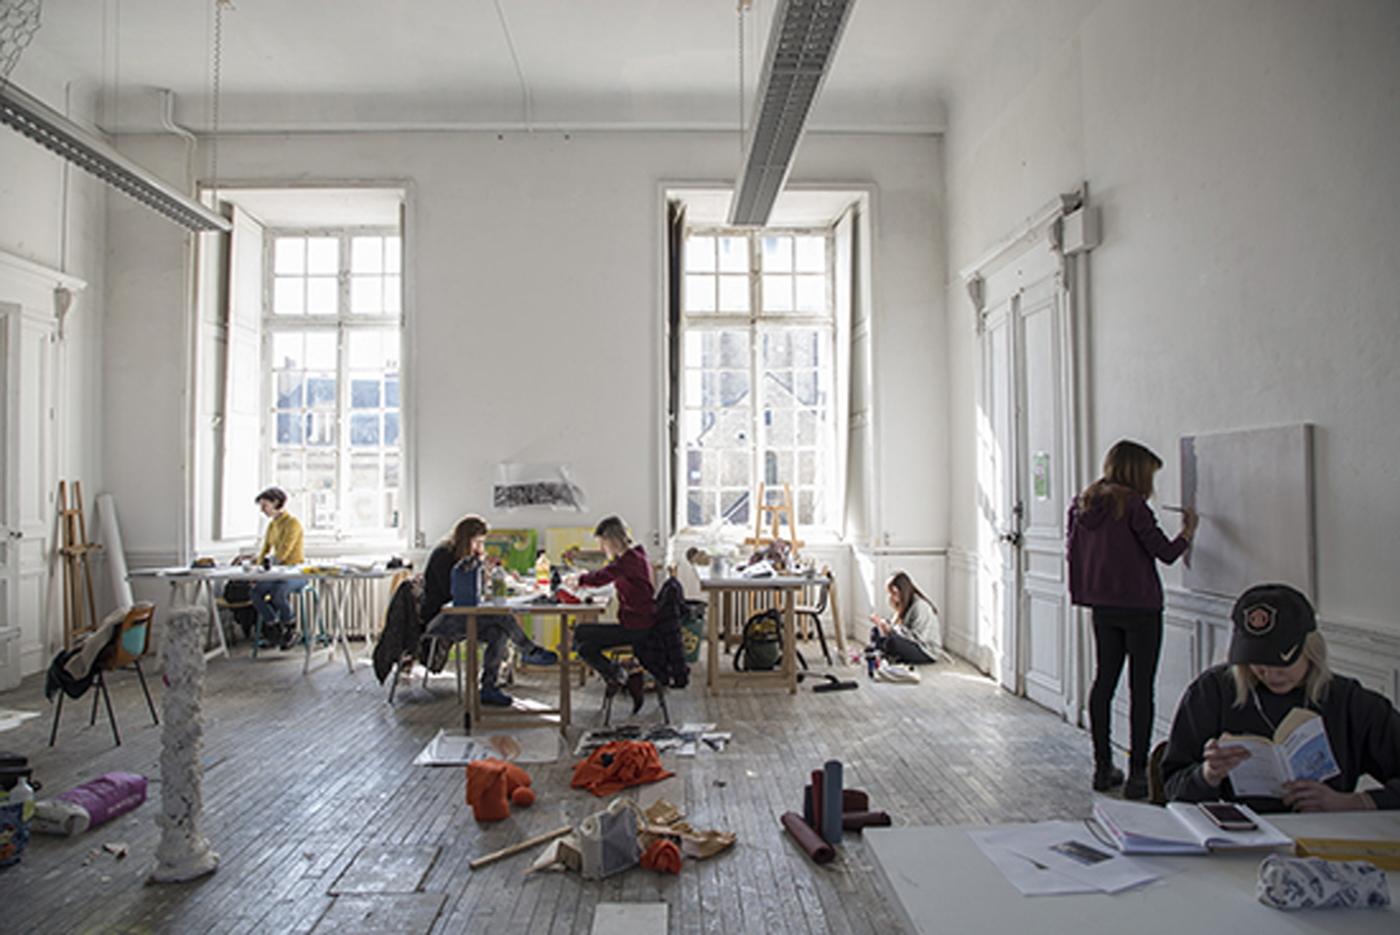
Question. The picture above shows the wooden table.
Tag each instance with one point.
(716, 588)
(943, 883)
(339, 586)
(478, 715)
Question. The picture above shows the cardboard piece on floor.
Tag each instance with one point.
(379, 869)
(630, 919)
(405, 914)
(453, 748)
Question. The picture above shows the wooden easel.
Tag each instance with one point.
(774, 513)
(77, 569)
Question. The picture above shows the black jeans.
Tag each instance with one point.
(900, 648)
(1136, 634)
(590, 639)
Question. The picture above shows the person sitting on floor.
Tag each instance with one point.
(462, 555)
(629, 570)
(912, 636)
(282, 545)
(1278, 662)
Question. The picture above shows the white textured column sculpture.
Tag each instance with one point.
(183, 853)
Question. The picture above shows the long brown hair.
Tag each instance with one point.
(467, 529)
(907, 590)
(1128, 466)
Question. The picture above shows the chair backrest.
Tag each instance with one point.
(133, 636)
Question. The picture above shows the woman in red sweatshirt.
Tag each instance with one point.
(1114, 546)
(629, 571)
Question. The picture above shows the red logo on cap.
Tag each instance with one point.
(1259, 619)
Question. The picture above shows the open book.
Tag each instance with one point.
(1299, 750)
(1180, 828)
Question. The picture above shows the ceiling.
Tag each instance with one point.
(349, 64)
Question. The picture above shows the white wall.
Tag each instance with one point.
(535, 312)
(1244, 156)
(38, 224)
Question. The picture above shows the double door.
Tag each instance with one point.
(1025, 477)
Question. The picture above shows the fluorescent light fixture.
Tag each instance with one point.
(801, 43)
(47, 127)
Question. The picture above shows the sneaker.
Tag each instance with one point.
(1136, 786)
(496, 698)
(1107, 777)
(637, 687)
(290, 637)
(539, 656)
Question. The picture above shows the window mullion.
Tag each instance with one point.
(756, 433)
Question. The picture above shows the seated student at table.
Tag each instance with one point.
(282, 543)
(629, 570)
(912, 636)
(1278, 662)
(464, 551)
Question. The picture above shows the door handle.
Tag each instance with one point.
(16, 533)
(1011, 538)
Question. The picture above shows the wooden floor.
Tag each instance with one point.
(302, 774)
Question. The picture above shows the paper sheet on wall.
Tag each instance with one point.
(526, 486)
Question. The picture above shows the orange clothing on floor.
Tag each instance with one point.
(618, 765)
(663, 856)
(490, 786)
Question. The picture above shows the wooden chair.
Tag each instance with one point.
(127, 646)
(1156, 786)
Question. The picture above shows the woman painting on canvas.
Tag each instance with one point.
(1114, 546)
(1278, 663)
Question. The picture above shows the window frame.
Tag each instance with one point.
(342, 323)
(755, 322)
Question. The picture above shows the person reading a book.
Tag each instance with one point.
(1274, 727)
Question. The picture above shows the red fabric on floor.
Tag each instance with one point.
(618, 765)
(663, 856)
(490, 786)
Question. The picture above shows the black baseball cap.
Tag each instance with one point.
(1271, 623)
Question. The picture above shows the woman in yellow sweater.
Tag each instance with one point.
(281, 546)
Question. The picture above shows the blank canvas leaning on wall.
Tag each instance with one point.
(1254, 492)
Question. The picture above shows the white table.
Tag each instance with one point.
(715, 587)
(338, 588)
(943, 883)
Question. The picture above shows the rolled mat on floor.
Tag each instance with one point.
(830, 826)
(807, 839)
(818, 778)
(854, 821)
(854, 800)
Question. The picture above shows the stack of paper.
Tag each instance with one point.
(1057, 857)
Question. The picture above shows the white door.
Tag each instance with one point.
(26, 468)
(999, 503)
(1042, 453)
(1024, 410)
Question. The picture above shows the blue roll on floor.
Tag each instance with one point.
(831, 802)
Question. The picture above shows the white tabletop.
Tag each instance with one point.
(710, 582)
(276, 573)
(945, 884)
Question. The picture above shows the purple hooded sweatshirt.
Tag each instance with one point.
(1113, 559)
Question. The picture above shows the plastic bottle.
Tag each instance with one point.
(23, 792)
(542, 570)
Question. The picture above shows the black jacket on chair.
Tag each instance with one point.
(661, 652)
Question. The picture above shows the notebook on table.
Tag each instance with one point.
(1180, 828)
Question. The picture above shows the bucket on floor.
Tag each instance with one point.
(14, 833)
(9, 658)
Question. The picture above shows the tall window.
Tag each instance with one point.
(757, 354)
(332, 337)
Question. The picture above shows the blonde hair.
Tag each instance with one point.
(1127, 465)
(1318, 678)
